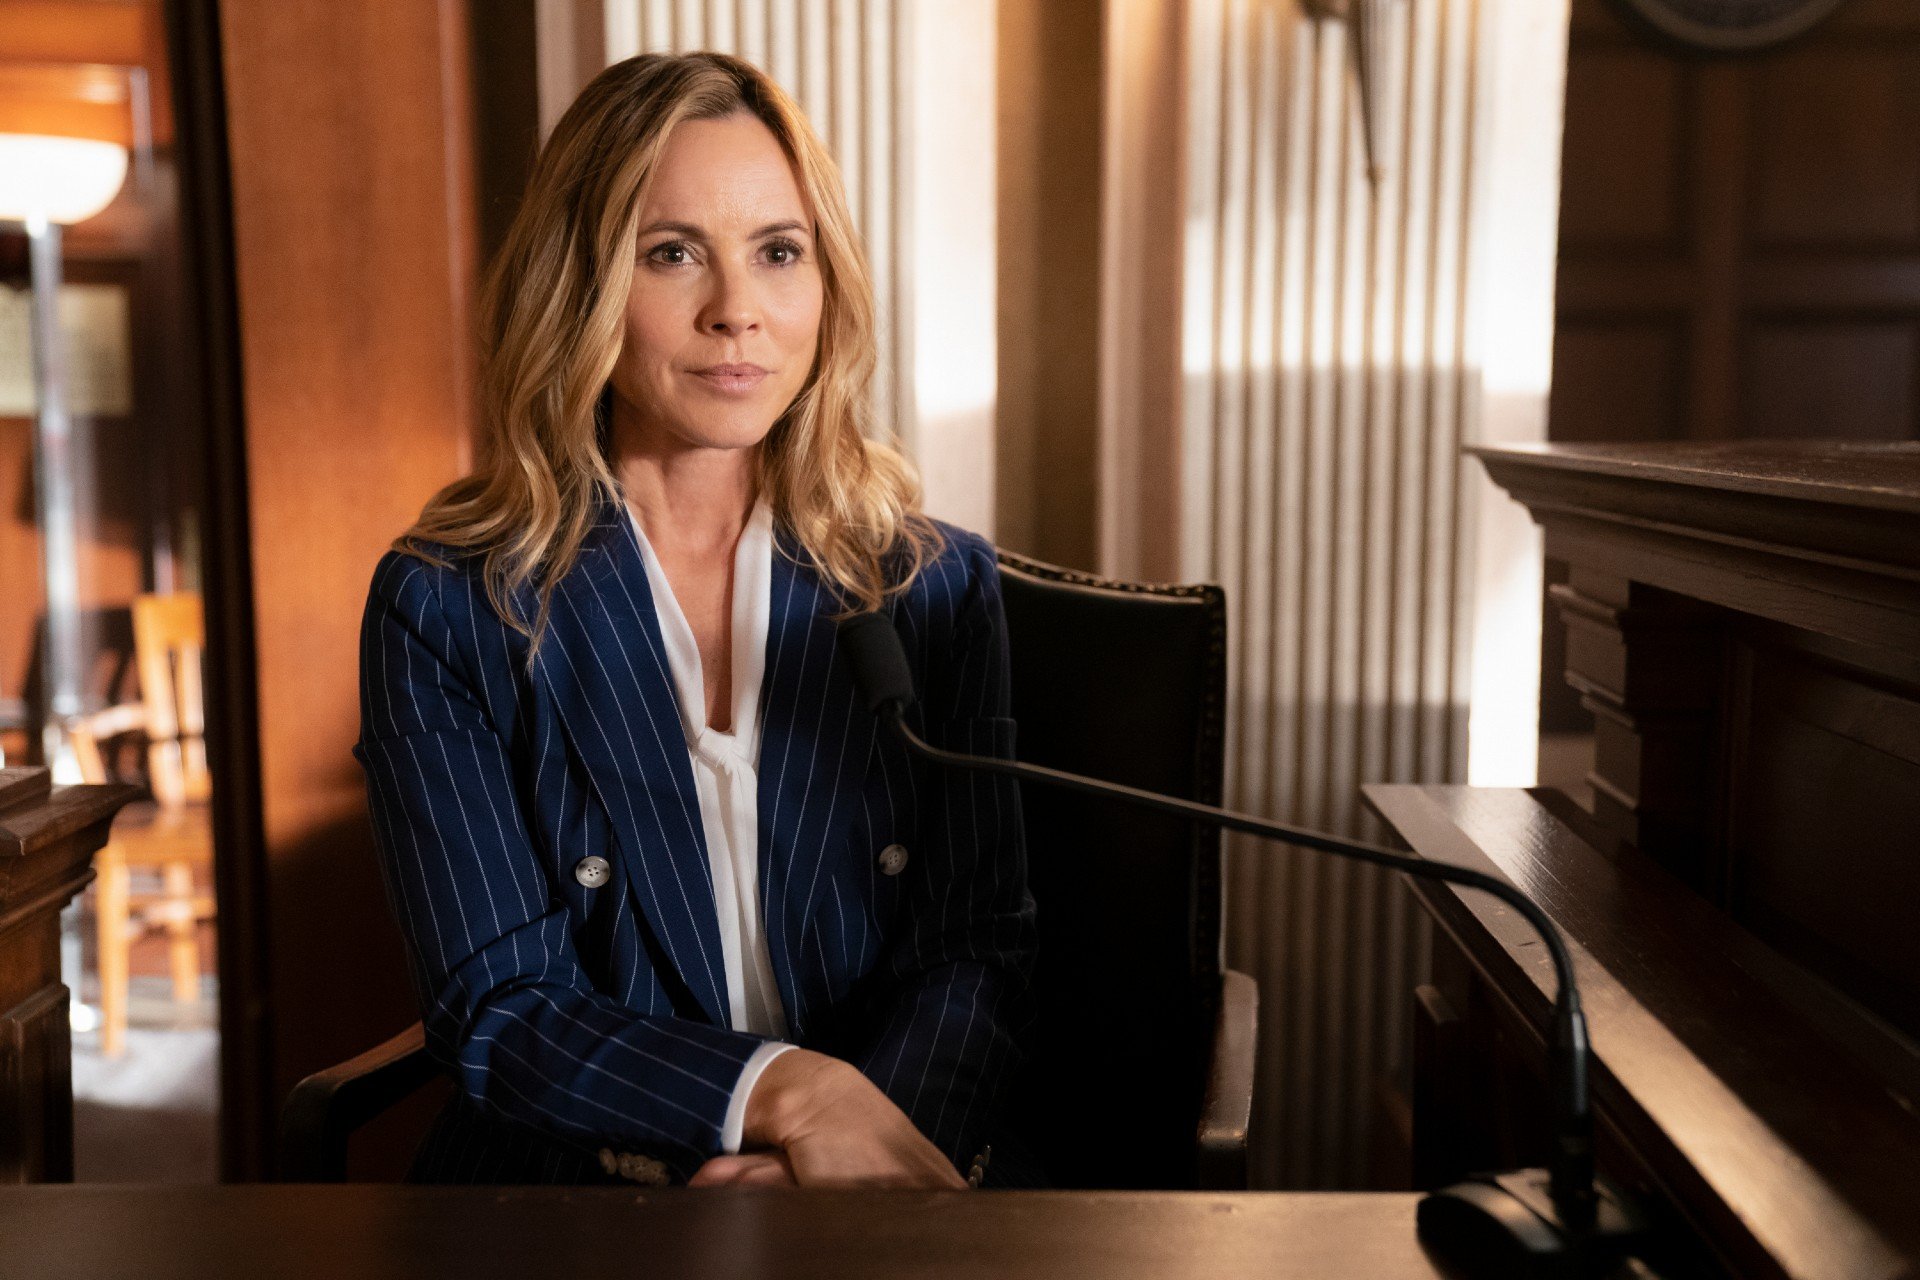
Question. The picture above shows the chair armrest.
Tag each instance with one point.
(1220, 1154)
(326, 1108)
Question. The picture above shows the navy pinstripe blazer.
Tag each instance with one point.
(579, 1019)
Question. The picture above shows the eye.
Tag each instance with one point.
(670, 246)
(784, 245)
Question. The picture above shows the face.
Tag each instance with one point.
(726, 274)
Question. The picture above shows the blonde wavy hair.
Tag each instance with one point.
(553, 314)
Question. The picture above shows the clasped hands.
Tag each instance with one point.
(815, 1121)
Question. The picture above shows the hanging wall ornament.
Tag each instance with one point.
(1370, 44)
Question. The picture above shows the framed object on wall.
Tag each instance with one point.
(1728, 26)
(96, 326)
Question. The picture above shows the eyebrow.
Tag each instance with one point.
(688, 229)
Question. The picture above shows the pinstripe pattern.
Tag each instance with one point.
(578, 1018)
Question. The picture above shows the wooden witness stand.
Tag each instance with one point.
(1744, 624)
(48, 836)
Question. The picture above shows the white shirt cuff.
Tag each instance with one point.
(737, 1105)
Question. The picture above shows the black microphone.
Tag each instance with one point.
(1560, 1221)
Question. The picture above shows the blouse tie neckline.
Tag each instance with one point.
(722, 751)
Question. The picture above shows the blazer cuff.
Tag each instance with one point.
(736, 1118)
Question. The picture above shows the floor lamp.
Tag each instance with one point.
(47, 183)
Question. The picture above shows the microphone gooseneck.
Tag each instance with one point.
(885, 681)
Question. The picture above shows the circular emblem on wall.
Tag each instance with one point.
(1729, 26)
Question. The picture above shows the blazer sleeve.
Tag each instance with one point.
(957, 996)
(508, 1010)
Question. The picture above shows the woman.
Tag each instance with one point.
(675, 909)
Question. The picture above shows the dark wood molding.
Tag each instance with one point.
(233, 735)
(48, 836)
(302, 1232)
(1743, 623)
(1647, 664)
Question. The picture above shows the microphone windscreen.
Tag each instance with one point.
(878, 660)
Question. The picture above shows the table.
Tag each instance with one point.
(370, 1231)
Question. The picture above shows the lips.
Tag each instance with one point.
(731, 377)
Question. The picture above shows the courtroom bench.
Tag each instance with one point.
(1770, 1124)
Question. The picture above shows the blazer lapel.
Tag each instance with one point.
(815, 745)
(605, 663)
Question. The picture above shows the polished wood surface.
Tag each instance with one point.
(1773, 1127)
(1871, 476)
(370, 1232)
(1743, 623)
(48, 835)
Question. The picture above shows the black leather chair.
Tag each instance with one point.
(1142, 1054)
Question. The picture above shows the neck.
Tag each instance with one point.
(688, 499)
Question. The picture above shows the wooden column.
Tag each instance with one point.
(350, 156)
(48, 837)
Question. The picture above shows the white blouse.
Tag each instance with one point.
(726, 775)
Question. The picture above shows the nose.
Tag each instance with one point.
(733, 307)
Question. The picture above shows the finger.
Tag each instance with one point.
(720, 1171)
(760, 1168)
(771, 1173)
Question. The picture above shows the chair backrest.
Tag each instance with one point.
(169, 637)
(1124, 682)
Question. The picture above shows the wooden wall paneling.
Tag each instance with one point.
(1832, 130)
(1049, 277)
(506, 117)
(1795, 179)
(1760, 214)
(20, 552)
(1625, 172)
(348, 135)
(1640, 360)
(1829, 756)
(1830, 378)
(1716, 232)
(1147, 134)
(77, 31)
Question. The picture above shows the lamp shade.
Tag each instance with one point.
(64, 180)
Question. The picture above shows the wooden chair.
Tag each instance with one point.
(1141, 1071)
(169, 835)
